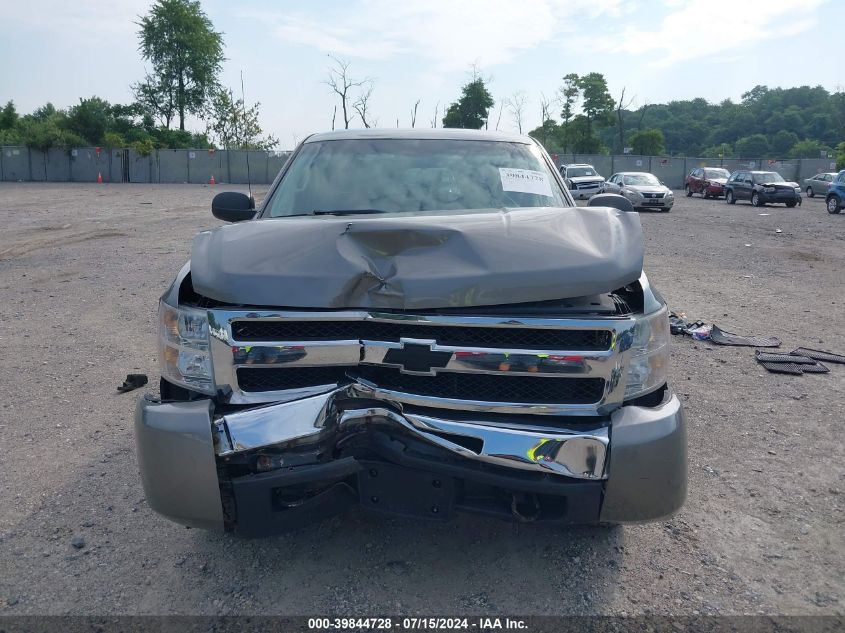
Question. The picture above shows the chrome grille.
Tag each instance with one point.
(530, 365)
(456, 386)
(513, 338)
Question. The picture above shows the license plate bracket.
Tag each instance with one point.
(388, 488)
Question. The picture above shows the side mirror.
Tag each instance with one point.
(613, 200)
(233, 206)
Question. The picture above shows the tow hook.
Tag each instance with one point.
(525, 507)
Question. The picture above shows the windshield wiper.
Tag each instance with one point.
(344, 211)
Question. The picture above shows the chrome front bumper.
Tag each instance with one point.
(639, 456)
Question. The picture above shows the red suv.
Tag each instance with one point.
(708, 181)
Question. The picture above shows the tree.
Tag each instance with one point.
(472, 109)
(44, 112)
(90, 119)
(840, 155)
(113, 139)
(578, 137)
(341, 83)
(414, 114)
(569, 94)
(596, 104)
(781, 142)
(233, 126)
(620, 106)
(362, 103)
(8, 116)
(546, 133)
(648, 142)
(808, 148)
(516, 105)
(186, 54)
(753, 146)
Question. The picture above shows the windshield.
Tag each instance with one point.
(413, 175)
(575, 172)
(640, 179)
(767, 176)
(716, 173)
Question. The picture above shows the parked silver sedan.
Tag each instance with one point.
(818, 184)
(643, 189)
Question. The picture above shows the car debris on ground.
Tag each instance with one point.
(801, 360)
(132, 382)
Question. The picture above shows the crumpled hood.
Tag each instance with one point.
(426, 261)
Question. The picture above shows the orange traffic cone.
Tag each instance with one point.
(99, 178)
(211, 180)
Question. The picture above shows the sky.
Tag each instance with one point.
(656, 50)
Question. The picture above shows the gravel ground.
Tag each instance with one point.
(81, 268)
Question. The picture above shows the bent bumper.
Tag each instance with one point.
(631, 467)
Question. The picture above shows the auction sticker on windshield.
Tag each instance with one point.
(525, 181)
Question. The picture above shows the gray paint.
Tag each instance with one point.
(207, 163)
(275, 162)
(141, 167)
(88, 164)
(647, 474)
(116, 165)
(177, 463)
(57, 162)
(15, 163)
(172, 165)
(258, 167)
(38, 165)
(432, 260)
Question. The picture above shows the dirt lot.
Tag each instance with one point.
(81, 269)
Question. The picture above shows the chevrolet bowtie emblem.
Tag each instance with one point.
(414, 358)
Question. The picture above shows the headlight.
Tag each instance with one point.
(183, 351)
(670, 194)
(797, 189)
(768, 189)
(648, 366)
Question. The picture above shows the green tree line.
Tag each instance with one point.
(185, 55)
(802, 122)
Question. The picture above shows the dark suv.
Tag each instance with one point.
(761, 187)
(836, 194)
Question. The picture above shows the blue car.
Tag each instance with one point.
(836, 193)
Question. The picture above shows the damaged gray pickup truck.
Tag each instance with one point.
(421, 322)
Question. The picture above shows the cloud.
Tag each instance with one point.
(450, 36)
(87, 20)
(705, 28)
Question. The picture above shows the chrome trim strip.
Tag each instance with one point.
(566, 452)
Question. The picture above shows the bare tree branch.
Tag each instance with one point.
(516, 105)
(340, 82)
(434, 120)
(499, 119)
(622, 106)
(362, 102)
(414, 114)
